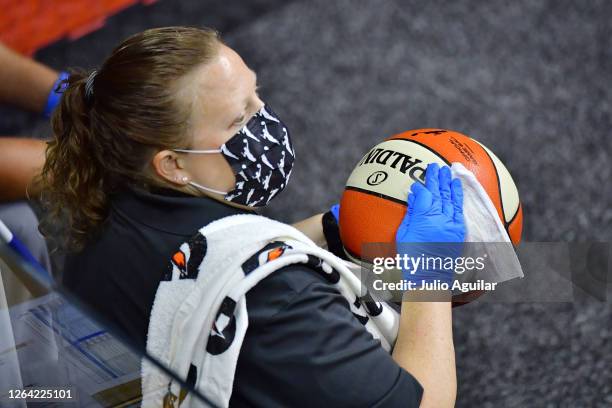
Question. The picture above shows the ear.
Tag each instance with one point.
(170, 167)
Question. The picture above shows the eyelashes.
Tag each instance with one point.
(250, 106)
(239, 121)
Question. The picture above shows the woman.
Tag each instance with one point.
(150, 148)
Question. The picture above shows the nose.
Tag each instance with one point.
(258, 102)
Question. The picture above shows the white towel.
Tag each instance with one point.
(484, 226)
(206, 289)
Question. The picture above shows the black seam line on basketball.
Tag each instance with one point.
(515, 214)
(501, 200)
(426, 147)
(379, 195)
(351, 253)
(355, 256)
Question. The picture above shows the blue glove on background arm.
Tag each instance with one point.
(433, 225)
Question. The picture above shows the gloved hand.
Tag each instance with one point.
(335, 210)
(55, 94)
(331, 231)
(434, 225)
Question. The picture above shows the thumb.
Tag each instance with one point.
(423, 200)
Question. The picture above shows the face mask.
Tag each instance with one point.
(260, 155)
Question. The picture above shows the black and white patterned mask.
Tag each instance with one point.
(260, 155)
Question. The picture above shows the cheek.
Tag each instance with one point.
(215, 172)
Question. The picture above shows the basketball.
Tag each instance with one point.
(374, 200)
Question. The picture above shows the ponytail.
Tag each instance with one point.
(73, 181)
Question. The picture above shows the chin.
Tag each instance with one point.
(241, 206)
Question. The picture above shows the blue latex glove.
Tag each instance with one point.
(434, 223)
(331, 231)
(55, 96)
(335, 210)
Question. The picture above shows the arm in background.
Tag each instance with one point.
(29, 85)
(24, 83)
(20, 160)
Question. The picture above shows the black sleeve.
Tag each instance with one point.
(304, 348)
(331, 231)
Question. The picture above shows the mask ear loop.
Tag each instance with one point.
(193, 183)
(201, 187)
(197, 151)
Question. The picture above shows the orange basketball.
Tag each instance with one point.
(374, 200)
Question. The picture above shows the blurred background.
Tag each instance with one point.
(530, 79)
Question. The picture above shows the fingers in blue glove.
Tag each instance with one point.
(406, 220)
(445, 191)
(432, 182)
(434, 216)
(410, 204)
(423, 198)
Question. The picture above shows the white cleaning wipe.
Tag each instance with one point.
(485, 234)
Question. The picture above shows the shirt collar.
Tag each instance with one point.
(170, 210)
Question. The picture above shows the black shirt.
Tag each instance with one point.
(303, 346)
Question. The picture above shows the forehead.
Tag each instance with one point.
(223, 84)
